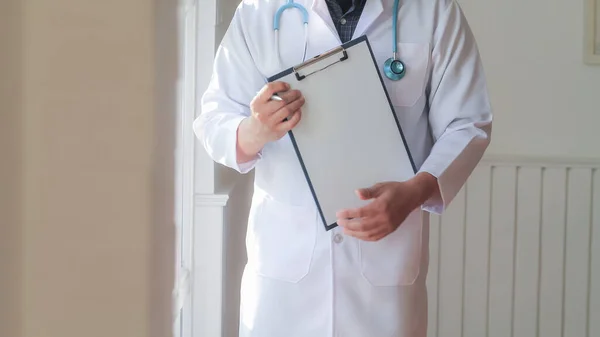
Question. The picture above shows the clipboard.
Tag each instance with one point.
(349, 136)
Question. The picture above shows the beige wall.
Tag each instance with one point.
(10, 137)
(96, 217)
(545, 97)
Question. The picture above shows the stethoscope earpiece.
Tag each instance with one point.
(394, 69)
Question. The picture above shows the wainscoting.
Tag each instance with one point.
(517, 254)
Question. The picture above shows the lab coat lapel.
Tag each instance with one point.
(319, 7)
(373, 9)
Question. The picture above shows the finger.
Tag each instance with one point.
(290, 95)
(356, 212)
(291, 122)
(374, 234)
(377, 235)
(269, 89)
(265, 112)
(369, 192)
(349, 213)
(374, 231)
(365, 193)
(357, 224)
(286, 111)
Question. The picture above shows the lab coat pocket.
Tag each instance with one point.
(281, 239)
(394, 260)
(407, 91)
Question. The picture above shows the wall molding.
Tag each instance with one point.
(540, 161)
(211, 200)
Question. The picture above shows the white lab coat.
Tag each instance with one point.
(301, 281)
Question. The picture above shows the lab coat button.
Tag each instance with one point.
(338, 238)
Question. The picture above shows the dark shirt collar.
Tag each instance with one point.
(346, 4)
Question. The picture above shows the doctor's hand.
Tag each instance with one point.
(269, 116)
(270, 119)
(391, 204)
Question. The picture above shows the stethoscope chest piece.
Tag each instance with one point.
(394, 69)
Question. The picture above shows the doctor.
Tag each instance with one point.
(365, 278)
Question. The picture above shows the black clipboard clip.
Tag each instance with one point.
(319, 58)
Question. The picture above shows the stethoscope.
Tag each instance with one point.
(393, 68)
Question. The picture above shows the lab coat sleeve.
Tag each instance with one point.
(234, 83)
(460, 115)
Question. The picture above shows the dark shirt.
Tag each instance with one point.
(345, 15)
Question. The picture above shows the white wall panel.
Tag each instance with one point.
(502, 246)
(518, 252)
(527, 252)
(452, 230)
(477, 253)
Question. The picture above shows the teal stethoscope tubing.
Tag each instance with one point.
(393, 68)
(277, 17)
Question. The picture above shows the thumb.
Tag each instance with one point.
(369, 192)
